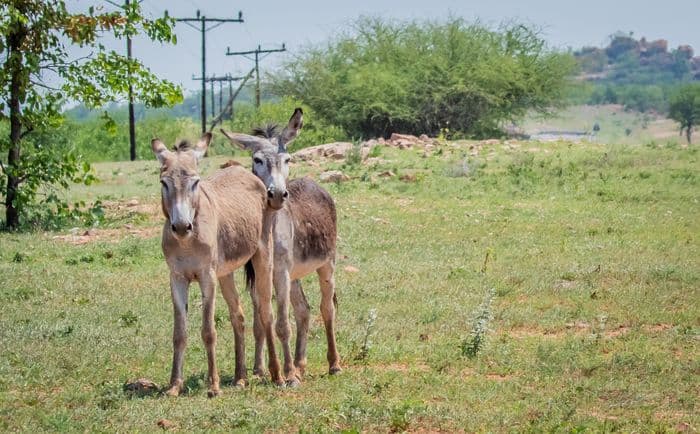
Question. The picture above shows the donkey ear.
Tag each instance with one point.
(200, 149)
(291, 131)
(160, 150)
(244, 141)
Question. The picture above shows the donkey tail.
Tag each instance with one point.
(249, 276)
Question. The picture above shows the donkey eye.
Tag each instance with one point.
(256, 160)
(287, 160)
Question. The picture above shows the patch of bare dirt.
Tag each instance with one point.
(499, 377)
(401, 367)
(657, 328)
(109, 235)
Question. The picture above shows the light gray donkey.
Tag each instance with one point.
(304, 233)
(213, 227)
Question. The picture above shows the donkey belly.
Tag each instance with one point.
(301, 269)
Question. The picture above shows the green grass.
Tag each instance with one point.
(593, 324)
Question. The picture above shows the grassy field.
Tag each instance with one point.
(578, 267)
(616, 125)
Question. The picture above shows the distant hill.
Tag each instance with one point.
(635, 73)
(627, 60)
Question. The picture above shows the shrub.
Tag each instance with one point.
(385, 77)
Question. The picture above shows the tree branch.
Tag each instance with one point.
(25, 132)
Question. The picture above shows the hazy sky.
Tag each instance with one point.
(564, 23)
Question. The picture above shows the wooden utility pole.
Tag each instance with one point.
(221, 80)
(132, 121)
(203, 30)
(257, 52)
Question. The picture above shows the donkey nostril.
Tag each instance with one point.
(189, 226)
(173, 228)
(270, 194)
(285, 194)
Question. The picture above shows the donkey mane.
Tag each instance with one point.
(267, 131)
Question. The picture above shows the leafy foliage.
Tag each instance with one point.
(35, 46)
(386, 77)
(685, 107)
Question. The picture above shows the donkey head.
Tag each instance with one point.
(180, 182)
(270, 157)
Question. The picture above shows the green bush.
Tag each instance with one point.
(385, 77)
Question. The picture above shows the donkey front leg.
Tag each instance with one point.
(178, 289)
(301, 315)
(235, 313)
(262, 293)
(207, 284)
(282, 327)
(328, 300)
(259, 334)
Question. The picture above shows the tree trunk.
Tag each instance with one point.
(688, 132)
(14, 43)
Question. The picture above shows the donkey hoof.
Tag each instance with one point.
(173, 392)
(212, 393)
(240, 383)
(293, 382)
(334, 370)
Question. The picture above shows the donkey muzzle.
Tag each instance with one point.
(276, 197)
(181, 228)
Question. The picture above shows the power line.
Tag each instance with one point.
(202, 20)
(257, 52)
(221, 80)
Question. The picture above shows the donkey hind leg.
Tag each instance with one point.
(259, 334)
(178, 289)
(282, 327)
(207, 284)
(327, 283)
(262, 263)
(235, 313)
(301, 315)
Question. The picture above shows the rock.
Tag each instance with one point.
(333, 176)
(166, 424)
(387, 174)
(351, 269)
(141, 387)
(406, 138)
(409, 177)
(336, 150)
(424, 138)
(132, 202)
(90, 233)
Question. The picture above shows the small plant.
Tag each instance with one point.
(473, 343)
(354, 155)
(19, 257)
(363, 354)
(128, 318)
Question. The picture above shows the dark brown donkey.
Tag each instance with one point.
(213, 227)
(304, 233)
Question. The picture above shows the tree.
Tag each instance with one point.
(684, 107)
(383, 77)
(36, 36)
